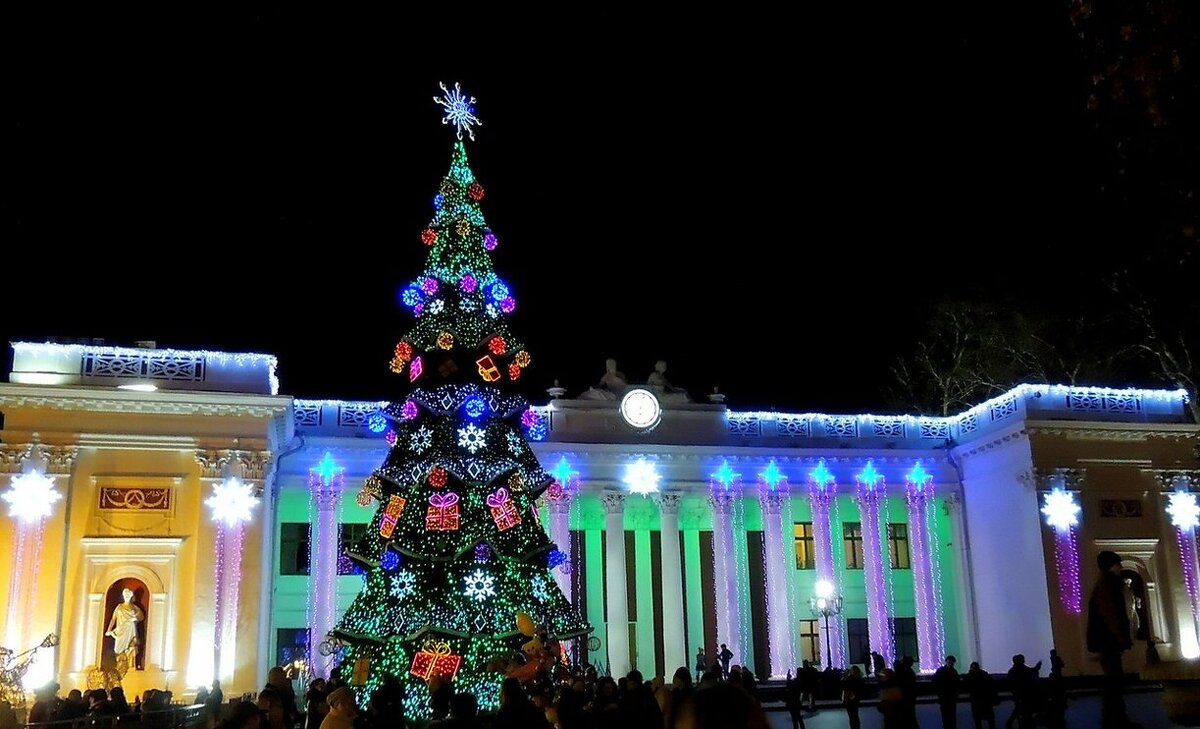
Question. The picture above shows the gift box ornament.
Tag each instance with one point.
(435, 659)
(442, 515)
(504, 511)
(391, 514)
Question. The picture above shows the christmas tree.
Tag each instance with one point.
(457, 566)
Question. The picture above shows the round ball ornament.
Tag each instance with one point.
(463, 227)
(497, 345)
(475, 191)
(521, 359)
(429, 236)
(445, 340)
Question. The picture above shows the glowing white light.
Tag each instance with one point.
(41, 670)
(824, 589)
(642, 477)
(31, 496)
(460, 110)
(1184, 511)
(232, 501)
(471, 438)
(640, 409)
(821, 603)
(480, 586)
(139, 387)
(1060, 509)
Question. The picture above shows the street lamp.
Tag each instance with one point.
(826, 604)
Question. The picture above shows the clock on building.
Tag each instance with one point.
(640, 409)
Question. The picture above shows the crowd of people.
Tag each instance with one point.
(93, 707)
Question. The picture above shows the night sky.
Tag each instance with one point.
(770, 203)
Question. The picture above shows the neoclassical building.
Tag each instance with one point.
(227, 507)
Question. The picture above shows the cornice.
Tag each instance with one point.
(172, 402)
(998, 440)
(1121, 432)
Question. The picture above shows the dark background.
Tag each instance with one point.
(771, 201)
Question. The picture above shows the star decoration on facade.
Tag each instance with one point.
(459, 110)
(403, 584)
(562, 471)
(232, 501)
(725, 475)
(642, 477)
(869, 476)
(918, 475)
(480, 585)
(31, 497)
(327, 469)
(821, 475)
(771, 475)
(1060, 509)
(471, 438)
(421, 439)
(1185, 513)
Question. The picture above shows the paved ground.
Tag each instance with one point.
(1083, 712)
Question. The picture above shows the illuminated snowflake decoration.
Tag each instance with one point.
(515, 442)
(492, 311)
(31, 497)
(421, 439)
(232, 501)
(642, 477)
(471, 438)
(539, 589)
(460, 110)
(436, 306)
(1185, 513)
(468, 305)
(479, 585)
(1060, 509)
(403, 584)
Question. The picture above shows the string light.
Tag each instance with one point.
(870, 495)
(930, 631)
(1062, 514)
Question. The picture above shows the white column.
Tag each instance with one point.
(675, 653)
(322, 565)
(779, 613)
(617, 609)
(560, 534)
(724, 577)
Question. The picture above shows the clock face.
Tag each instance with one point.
(640, 409)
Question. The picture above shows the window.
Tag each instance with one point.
(350, 536)
(293, 548)
(852, 538)
(858, 641)
(810, 641)
(898, 546)
(904, 633)
(805, 558)
(293, 644)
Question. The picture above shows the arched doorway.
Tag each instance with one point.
(114, 597)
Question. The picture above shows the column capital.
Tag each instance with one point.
(559, 506)
(1070, 479)
(1175, 479)
(222, 463)
(772, 501)
(721, 501)
(614, 502)
(951, 504)
(668, 502)
(52, 460)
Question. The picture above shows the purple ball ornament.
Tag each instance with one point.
(429, 285)
(408, 410)
(507, 304)
(489, 240)
(468, 283)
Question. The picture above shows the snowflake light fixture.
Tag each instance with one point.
(232, 501)
(515, 443)
(1183, 509)
(471, 438)
(403, 584)
(421, 439)
(539, 589)
(1060, 509)
(725, 474)
(642, 477)
(31, 497)
(459, 110)
(479, 585)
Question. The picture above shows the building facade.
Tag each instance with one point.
(684, 525)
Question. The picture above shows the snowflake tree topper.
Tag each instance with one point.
(460, 110)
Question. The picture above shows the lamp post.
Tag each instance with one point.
(826, 604)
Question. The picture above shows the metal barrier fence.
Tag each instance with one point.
(176, 717)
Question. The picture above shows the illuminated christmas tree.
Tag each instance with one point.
(456, 552)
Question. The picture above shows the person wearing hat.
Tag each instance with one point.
(1109, 634)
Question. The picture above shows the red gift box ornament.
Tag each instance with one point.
(504, 511)
(435, 659)
(391, 515)
(442, 515)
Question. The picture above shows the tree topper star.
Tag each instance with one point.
(460, 110)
